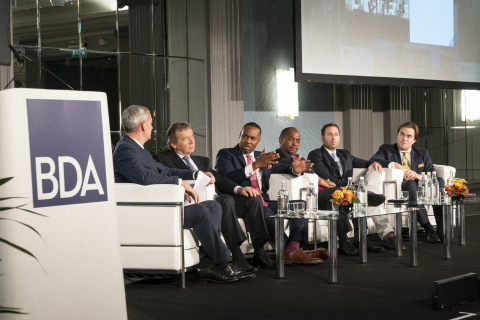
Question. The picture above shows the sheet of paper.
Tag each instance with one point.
(201, 182)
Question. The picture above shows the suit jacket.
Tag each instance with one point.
(285, 157)
(325, 167)
(133, 164)
(170, 159)
(231, 164)
(420, 160)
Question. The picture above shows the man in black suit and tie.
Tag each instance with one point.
(133, 164)
(236, 201)
(412, 161)
(337, 166)
(247, 167)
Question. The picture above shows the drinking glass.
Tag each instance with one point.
(299, 208)
(291, 207)
(405, 195)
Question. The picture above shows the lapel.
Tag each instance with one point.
(415, 160)
(239, 155)
(200, 165)
(396, 154)
(177, 161)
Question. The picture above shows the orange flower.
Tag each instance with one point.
(349, 195)
(448, 187)
(338, 194)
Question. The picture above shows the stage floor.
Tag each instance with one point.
(384, 288)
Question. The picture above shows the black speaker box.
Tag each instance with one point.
(5, 54)
(453, 291)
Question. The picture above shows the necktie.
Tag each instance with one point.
(405, 161)
(294, 158)
(334, 155)
(189, 163)
(254, 181)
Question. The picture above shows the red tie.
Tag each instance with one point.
(254, 181)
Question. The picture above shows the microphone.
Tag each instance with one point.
(26, 57)
(16, 54)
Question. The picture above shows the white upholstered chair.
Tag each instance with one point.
(150, 223)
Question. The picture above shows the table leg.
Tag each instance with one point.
(447, 215)
(362, 224)
(279, 249)
(461, 225)
(413, 239)
(315, 234)
(398, 235)
(332, 251)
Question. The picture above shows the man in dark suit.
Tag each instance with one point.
(412, 161)
(133, 164)
(236, 201)
(250, 168)
(337, 166)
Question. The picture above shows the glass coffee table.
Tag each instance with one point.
(332, 217)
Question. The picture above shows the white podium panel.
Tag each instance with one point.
(56, 145)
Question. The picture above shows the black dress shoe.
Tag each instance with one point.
(375, 200)
(432, 237)
(348, 249)
(241, 275)
(243, 265)
(214, 274)
(370, 247)
(440, 234)
(263, 261)
(389, 244)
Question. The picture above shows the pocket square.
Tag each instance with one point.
(269, 167)
(421, 165)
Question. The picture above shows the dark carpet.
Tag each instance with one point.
(384, 288)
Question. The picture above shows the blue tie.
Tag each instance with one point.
(334, 156)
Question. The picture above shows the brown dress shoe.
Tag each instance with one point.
(320, 253)
(300, 257)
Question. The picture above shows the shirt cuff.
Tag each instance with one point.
(179, 181)
(235, 190)
(249, 170)
(297, 174)
(391, 165)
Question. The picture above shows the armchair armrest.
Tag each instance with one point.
(293, 184)
(444, 171)
(131, 192)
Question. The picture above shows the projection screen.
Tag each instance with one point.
(431, 43)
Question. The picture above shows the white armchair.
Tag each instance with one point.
(150, 223)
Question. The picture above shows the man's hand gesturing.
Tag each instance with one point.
(265, 159)
(300, 165)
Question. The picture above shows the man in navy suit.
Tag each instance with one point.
(236, 201)
(337, 166)
(247, 167)
(133, 164)
(412, 161)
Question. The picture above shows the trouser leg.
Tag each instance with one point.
(206, 218)
(412, 188)
(231, 230)
(251, 210)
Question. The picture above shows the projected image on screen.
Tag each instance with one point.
(411, 39)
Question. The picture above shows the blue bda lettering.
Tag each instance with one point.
(59, 185)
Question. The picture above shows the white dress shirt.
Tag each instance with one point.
(391, 165)
(249, 170)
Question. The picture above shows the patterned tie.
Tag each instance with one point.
(405, 161)
(334, 155)
(254, 181)
(189, 163)
(294, 158)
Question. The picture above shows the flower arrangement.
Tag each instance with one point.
(458, 188)
(344, 197)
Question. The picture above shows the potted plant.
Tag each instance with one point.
(344, 199)
(458, 190)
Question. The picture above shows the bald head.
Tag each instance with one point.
(289, 140)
